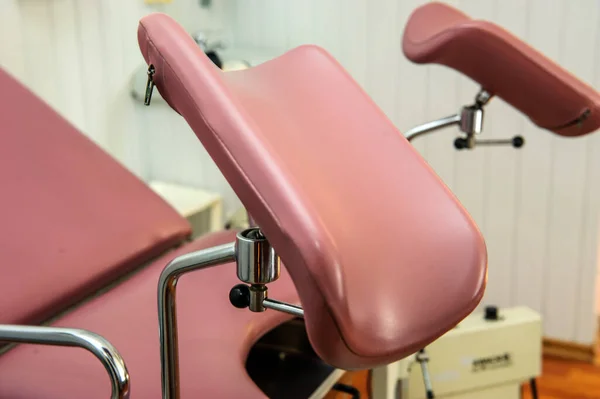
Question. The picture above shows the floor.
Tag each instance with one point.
(561, 379)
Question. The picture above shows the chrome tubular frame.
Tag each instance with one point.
(283, 307)
(169, 355)
(257, 265)
(432, 126)
(94, 343)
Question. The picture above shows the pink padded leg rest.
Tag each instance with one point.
(214, 338)
(384, 258)
(505, 66)
(73, 219)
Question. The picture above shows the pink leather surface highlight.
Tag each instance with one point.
(383, 256)
(73, 219)
(504, 65)
(214, 338)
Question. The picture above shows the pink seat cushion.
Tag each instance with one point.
(383, 256)
(73, 219)
(214, 338)
(505, 66)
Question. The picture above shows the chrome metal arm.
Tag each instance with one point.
(432, 126)
(167, 282)
(94, 343)
(283, 307)
(469, 120)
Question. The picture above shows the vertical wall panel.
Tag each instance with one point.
(382, 65)
(123, 127)
(501, 174)
(12, 56)
(67, 61)
(300, 22)
(110, 39)
(275, 29)
(244, 17)
(353, 38)
(92, 58)
(564, 253)
(254, 32)
(37, 28)
(545, 30)
(193, 17)
(411, 89)
(588, 290)
(327, 25)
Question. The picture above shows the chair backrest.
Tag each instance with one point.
(72, 218)
(505, 66)
(383, 256)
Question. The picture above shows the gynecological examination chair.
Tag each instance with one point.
(89, 251)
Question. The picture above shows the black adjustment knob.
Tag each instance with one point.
(239, 296)
(460, 143)
(518, 141)
(491, 313)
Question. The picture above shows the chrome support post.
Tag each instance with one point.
(167, 320)
(428, 127)
(423, 359)
(94, 343)
(257, 265)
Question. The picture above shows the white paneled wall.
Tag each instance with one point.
(537, 207)
(79, 55)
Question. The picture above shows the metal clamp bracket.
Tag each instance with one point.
(469, 121)
(149, 85)
(257, 265)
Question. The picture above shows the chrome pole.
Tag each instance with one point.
(423, 358)
(169, 356)
(94, 343)
(425, 128)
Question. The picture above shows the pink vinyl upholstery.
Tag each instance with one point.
(505, 66)
(73, 219)
(383, 256)
(214, 338)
